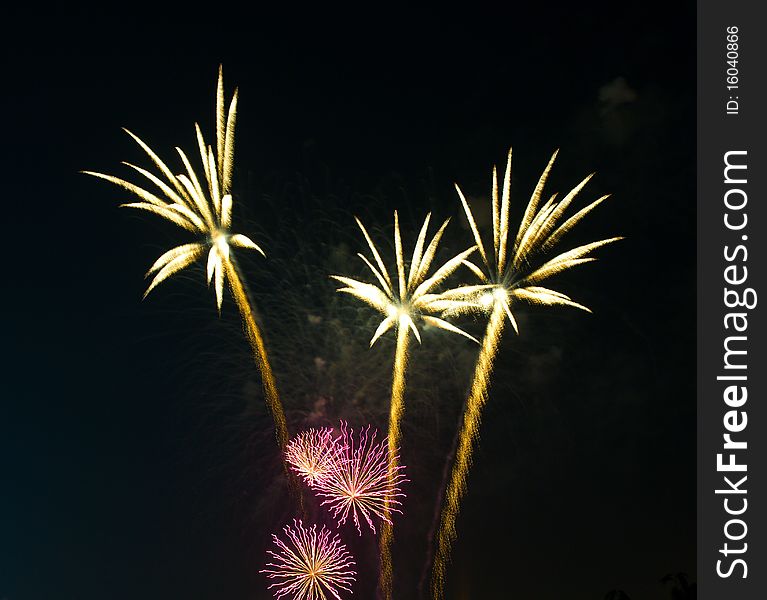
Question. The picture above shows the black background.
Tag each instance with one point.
(134, 460)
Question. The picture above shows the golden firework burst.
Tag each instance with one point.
(205, 210)
(510, 278)
(412, 299)
(202, 205)
(508, 269)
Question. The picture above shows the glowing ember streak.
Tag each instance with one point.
(202, 205)
(511, 278)
(311, 454)
(310, 565)
(362, 480)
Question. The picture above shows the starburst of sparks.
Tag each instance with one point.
(363, 479)
(413, 296)
(507, 270)
(311, 454)
(309, 565)
(204, 209)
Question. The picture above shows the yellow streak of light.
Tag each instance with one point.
(259, 352)
(395, 418)
(469, 434)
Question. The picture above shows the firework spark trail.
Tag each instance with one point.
(508, 274)
(311, 565)
(398, 390)
(203, 206)
(311, 454)
(259, 353)
(395, 417)
(363, 479)
(469, 434)
(411, 298)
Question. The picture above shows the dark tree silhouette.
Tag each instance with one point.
(680, 586)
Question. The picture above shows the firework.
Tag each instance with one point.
(204, 211)
(309, 565)
(311, 454)
(510, 278)
(411, 299)
(203, 206)
(507, 271)
(363, 479)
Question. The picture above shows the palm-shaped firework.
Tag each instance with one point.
(413, 298)
(510, 278)
(310, 565)
(508, 270)
(205, 210)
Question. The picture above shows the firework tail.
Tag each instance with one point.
(268, 382)
(424, 578)
(469, 432)
(395, 417)
(259, 352)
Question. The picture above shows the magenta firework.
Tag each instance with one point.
(363, 480)
(309, 565)
(311, 453)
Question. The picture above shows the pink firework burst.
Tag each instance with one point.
(310, 565)
(311, 453)
(358, 480)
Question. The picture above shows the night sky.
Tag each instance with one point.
(136, 459)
